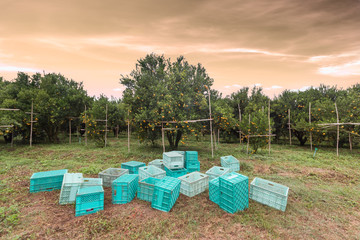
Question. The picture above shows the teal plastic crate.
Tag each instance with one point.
(70, 187)
(191, 156)
(217, 171)
(92, 182)
(194, 183)
(166, 192)
(193, 166)
(157, 163)
(175, 172)
(234, 192)
(146, 188)
(173, 160)
(133, 166)
(124, 188)
(269, 193)
(110, 174)
(89, 200)
(47, 181)
(214, 190)
(151, 171)
(230, 162)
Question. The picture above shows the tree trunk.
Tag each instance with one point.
(301, 137)
(178, 138)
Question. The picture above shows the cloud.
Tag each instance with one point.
(257, 84)
(300, 89)
(118, 89)
(276, 87)
(18, 69)
(227, 87)
(237, 85)
(347, 69)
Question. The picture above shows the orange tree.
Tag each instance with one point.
(159, 90)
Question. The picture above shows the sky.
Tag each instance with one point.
(278, 44)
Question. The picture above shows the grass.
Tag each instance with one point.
(323, 200)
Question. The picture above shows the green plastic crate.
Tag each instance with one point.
(70, 187)
(269, 193)
(234, 192)
(166, 192)
(175, 172)
(124, 188)
(146, 188)
(173, 160)
(89, 200)
(194, 183)
(133, 166)
(217, 171)
(193, 166)
(157, 163)
(214, 190)
(151, 171)
(110, 174)
(191, 156)
(230, 162)
(47, 181)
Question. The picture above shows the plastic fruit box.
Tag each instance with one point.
(217, 171)
(191, 156)
(269, 193)
(89, 200)
(194, 183)
(166, 192)
(157, 163)
(110, 174)
(146, 188)
(175, 172)
(124, 188)
(92, 182)
(133, 166)
(230, 162)
(173, 160)
(214, 190)
(151, 171)
(193, 166)
(70, 187)
(47, 181)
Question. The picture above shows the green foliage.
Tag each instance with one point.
(9, 217)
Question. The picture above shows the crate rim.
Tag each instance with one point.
(284, 195)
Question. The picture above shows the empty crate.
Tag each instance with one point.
(89, 200)
(230, 162)
(193, 167)
(269, 193)
(216, 171)
(157, 163)
(194, 183)
(110, 174)
(175, 172)
(214, 191)
(92, 182)
(146, 188)
(133, 166)
(47, 181)
(70, 186)
(151, 171)
(173, 160)
(166, 192)
(124, 188)
(191, 156)
(234, 192)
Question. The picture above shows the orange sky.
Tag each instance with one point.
(278, 44)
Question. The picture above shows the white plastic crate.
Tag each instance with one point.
(110, 174)
(194, 183)
(173, 160)
(157, 163)
(151, 171)
(92, 182)
(217, 171)
(230, 162)
(70, 186)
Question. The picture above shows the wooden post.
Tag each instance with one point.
(248, 139)
(289, 126)
(269, 128)
(214, 139)
(162, 136)
(262, 108)
(77, 133)
(310, 125)
(239, 122)
(211, 133)
(117, 131)
(128, 130)
(69, 130)
(31, 121)
(85, 128)
(338, 131)
(350, 142)
(218, 136)
(106, 126)
(12, 137)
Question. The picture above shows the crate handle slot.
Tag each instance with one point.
(49, 188)
(89, 210)
(271, 184)
(202, 175)
(221, 169)
(86, 180)
(114, 192)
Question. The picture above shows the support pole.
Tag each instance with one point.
(162, 136)
(218, 136)
(106, 125)
(69, 130)
(269, 128)
(215, 139)
(350, 142)
(211, 133)
(310, 125)
(248, 138)
(117, 131)
(128, 130)
(12, 137)
(31, 122)
(338, 131)
(289, 126)
(85, 128)
(239, 122)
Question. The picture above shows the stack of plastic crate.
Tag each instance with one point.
(133, 166)
(216, 171)
(269, 193)
(194, 183)
(174, 164)
(124, 188)
(192, 162)
(234, 192)
(214, 192)
(166, 192)
(110, 174)
(146, 188)
(89, 200)
(151, 171)
(230, 162)
(70, 186)
(157, 163)
(47, 181)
